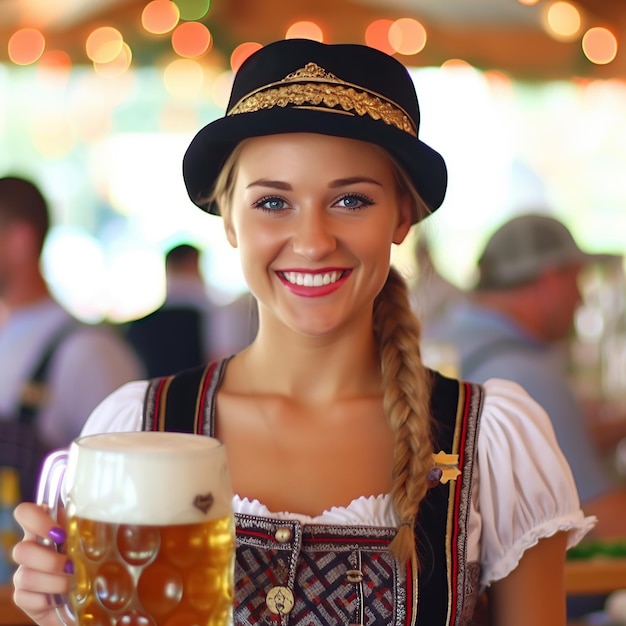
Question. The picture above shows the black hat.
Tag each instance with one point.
(300, 85)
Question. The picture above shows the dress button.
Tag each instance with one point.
(283, 534)
(354, 575)
(279, 600)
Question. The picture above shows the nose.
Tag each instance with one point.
(313, 235)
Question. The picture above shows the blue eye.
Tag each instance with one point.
(270, 203)
(354, 201)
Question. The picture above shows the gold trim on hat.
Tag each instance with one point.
(312, 87)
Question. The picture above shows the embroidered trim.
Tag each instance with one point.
(312, 87)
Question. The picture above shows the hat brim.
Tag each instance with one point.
(212, 145)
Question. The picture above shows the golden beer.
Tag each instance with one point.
(150, 531)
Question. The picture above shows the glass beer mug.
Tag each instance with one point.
(150, 529)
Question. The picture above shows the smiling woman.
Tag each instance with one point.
(369, 489)
(334, 214)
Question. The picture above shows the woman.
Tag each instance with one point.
(329, 418)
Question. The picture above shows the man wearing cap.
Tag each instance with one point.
(524, 302)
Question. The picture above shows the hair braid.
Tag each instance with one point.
(406, 400)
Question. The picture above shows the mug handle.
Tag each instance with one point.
(49, 495)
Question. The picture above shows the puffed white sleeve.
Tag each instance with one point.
(525, 486)
(121, 411)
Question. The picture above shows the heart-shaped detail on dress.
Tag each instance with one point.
(203, 503)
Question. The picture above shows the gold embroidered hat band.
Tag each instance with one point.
(313, 86)
(343, 90)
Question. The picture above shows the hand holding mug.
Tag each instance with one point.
(150, 532)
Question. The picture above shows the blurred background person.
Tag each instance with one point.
(189, 329)
(518, 314)
(177, 335)
(54, 370)
(432, 295)
(235, 325)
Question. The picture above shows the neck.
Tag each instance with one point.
(520, 308)
(24, 288)
(313, 369)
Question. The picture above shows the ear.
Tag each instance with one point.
(231, 233)
(405, 214)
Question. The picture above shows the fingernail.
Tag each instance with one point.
(57, 535)
(68, 568)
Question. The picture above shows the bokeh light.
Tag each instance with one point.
(407, 36)
(117, 66)
(104, 45)
(178, 117)
(377, 36)
(191, 40)
(305, 30)
(160, 16)
(26, 46)
(52, 135)
(220, 89)
(183, 78)
(242, 52)
(599, 45)
(528, 3)
(562, 20)
(193, 9)
(57, 60)
(74, 264)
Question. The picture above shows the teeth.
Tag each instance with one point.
(311, 280)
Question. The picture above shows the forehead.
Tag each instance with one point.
(299, 148)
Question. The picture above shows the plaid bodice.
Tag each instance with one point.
(293, 574)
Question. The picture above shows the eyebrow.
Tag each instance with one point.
(340, 182)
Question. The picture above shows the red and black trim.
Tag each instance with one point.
(444, 589)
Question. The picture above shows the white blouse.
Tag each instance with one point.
(524, 489)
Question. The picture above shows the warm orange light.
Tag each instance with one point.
(528, 3)
(104, 44)
(160, 16)
(305, 30)
(26, 46)
(407, 36)
(183, 78)
(191, 40)
(242, 52)
(377, 36)
(562, 20)
(599, 45)
(117, 66)
(56, 60)
(456, 64)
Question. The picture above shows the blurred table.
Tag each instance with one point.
(10, 615)
(597, 575)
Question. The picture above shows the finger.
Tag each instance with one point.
(33, 555)
(38, 607)
(35, 521)
(40, 582)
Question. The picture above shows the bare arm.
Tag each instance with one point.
(534, 592)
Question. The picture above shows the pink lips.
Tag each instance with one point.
(312, 291)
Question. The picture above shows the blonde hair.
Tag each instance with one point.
(405, 380)
(406, 401)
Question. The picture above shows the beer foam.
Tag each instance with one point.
(152, 478)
